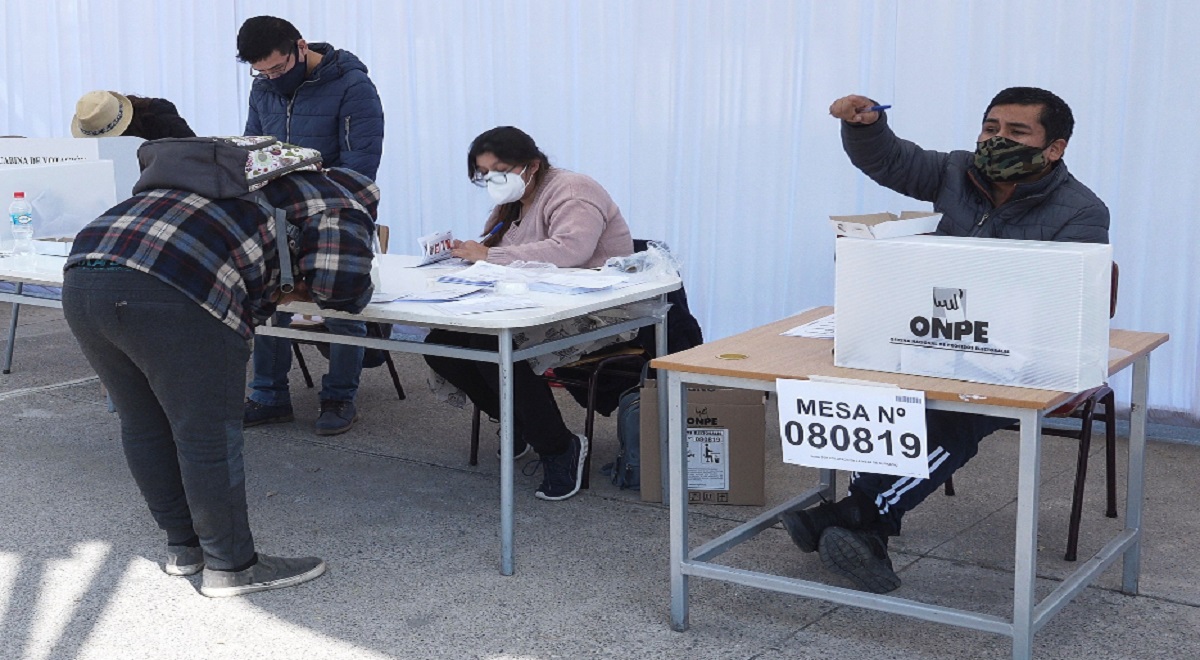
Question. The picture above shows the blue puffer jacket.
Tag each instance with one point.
(336, 111)
(1056, 207)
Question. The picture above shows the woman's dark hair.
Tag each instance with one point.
(262, 35)
(511, 146)
(156, 118)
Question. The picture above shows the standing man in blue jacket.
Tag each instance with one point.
(1015, 185)
(316, 96)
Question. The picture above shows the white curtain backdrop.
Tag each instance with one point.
(706, 119)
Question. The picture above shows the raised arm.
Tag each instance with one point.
(890, 161)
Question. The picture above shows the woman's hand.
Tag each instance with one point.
(469, 250)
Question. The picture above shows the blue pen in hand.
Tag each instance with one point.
(497, 228)
(875, 108)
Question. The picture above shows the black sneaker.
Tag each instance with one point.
(266, 574)
(256, 413)
(805, 525)
(563, 473)
(336, 417)
(861, 556)
(183, 560)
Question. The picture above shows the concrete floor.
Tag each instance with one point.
(410, 533)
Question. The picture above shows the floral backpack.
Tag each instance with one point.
(227, 168)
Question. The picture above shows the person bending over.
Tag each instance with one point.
(109, 114)
(163, 292)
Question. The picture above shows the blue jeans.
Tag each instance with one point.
(176, 375)
(273, 361)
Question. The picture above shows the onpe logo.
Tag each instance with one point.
(949, 319)
(950, 304)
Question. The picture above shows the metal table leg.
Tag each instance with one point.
(676, 401)
(506, 452)
(1025, 573)
(1137, 473)
(12, 331)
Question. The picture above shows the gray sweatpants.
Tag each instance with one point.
(177, 377)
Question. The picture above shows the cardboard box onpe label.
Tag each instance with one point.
(886, 225)
(726, 431)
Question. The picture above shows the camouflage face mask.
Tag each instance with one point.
(1002, 160)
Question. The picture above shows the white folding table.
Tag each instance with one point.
(399, 277)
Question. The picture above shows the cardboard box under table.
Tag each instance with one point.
(725, 435)
(1005, 312)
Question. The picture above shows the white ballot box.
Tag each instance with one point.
(1005, 312)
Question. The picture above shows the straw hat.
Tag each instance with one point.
(101, 114)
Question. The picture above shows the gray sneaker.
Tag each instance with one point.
(183, 560)
(268, 573)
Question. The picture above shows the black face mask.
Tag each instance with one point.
(287, 84)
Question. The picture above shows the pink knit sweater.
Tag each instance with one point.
(571, 223)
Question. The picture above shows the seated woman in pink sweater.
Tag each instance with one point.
(542, 214)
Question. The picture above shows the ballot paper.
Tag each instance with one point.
(485, 304)
(435, 247)
(573, 283)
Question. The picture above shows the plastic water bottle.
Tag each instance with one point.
(21, 213)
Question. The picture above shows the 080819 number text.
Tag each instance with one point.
(859, 439)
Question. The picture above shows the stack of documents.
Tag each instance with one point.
(572, 283)
(481, 274)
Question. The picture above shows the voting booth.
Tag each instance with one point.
(1005, 312)
(68, 181)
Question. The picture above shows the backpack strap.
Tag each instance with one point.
(285, 234)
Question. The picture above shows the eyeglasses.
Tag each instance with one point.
(275, 71)
(500, 178)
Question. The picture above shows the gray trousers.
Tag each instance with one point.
(177, 377)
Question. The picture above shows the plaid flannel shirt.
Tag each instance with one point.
(222, 253)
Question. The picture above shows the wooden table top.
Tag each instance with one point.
(769, 356)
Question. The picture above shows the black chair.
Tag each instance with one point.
(597, 379)
(376, 330)
(372, 358)
(1083, 406)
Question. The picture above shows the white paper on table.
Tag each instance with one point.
(822, 328)
(481, 273)
(450, 263)
(487, 304)
(572, 283)
(433, 295)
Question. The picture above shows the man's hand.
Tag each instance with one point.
(469, 250)
(852, 108)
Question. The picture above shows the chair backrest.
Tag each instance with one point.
(1112, 293)
(683, 330)
(382, 231)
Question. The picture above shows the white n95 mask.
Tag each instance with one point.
(505, 187)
